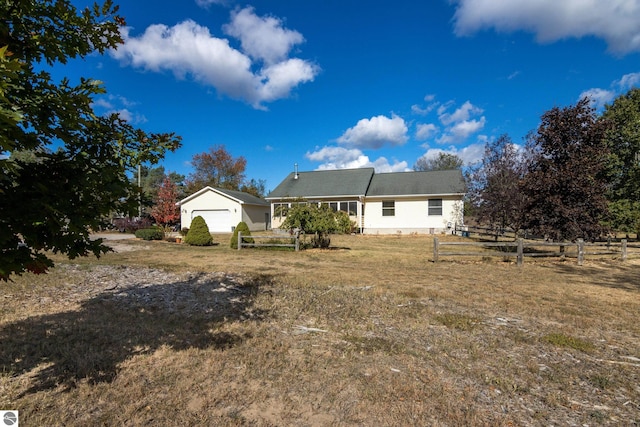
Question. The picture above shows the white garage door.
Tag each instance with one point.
(218, 221)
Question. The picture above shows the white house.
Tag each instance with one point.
(224, 209)
(385, 203)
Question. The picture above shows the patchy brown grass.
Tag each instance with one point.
(372, 333)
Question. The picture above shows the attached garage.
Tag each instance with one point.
(223, 209)
(218, 221)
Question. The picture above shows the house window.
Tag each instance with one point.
(349, 207)
(435, 207)
(389, 208)
(333, 206)
(353, 208)
(280, 210)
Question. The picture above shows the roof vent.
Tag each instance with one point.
(295, 168)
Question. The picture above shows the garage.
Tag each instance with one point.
(218, 220)
(223, 209)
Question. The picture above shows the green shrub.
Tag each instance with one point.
(198, 234)
(244, 228)
(153, 233)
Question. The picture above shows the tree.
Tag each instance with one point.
(151, 179)
(623, 165)
(320, 221)
(216, 168)
(494, 185)
(255, 187)
(243, 228)
(443, 161)
(164, 210)
(53, 202)
(198, 234)
(564, 182)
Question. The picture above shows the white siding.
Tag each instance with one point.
(216, 205)
(212, 201)
(411, 216)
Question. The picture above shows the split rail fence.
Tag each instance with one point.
(275, 241)
(521, 249)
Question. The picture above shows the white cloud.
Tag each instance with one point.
(189, 50)
(426, 131)
(376, 132)
(128, 116)
(344, 158)
(470, 154)
(423, 111)
(262, 38)
(461, 123)
(461, 131)
(206, 3)
(117, 104)
(615, 21)
(628, 81)
(461, 114)
(600, 97)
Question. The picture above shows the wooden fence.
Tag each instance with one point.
(521, 249)
(295, 237)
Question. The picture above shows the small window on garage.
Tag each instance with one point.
(389, 208)
(435, 207)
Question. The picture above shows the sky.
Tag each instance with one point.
(329, 84)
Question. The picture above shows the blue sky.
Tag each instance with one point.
(344, 84)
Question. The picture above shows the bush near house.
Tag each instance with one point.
(153, 233)
(198, 234)
(244, 228)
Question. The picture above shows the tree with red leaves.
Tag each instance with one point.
(164, 210)
(565, 184)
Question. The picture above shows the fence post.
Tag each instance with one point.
(435, 249)
(239, 240)
(623, 248)
(297, 242)
(580, 251)
(520, 256)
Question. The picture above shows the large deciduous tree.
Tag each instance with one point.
(623, 166)
(83, 162)
(564, 183)
(216, 168)
(494, 185)
(443, 161)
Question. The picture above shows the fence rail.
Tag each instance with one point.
(582, 249)
(295, 244)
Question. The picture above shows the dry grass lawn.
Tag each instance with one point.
(370, 333)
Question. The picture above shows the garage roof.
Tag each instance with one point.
(239, 196)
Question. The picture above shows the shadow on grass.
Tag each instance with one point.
(90, 343)
(623, 276)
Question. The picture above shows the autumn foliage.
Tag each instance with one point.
(164, 210)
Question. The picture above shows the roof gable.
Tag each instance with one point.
(328, 183)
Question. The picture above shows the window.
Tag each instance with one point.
(280, 210)
(333, 206)
(389, 208)
(349, 207)
(353, 208)
(435, 207)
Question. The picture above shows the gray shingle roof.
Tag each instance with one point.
(340, 182)
(247, 198)
(417, 183)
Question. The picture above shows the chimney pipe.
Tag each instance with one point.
(295, 168)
